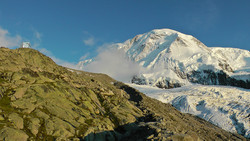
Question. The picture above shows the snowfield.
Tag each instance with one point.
(224, 106)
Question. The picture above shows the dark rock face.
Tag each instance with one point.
(165, 84)
(139, 80)
(225, 66)
(209, 77)
(205, 77)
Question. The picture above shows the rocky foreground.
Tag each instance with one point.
(40, 100)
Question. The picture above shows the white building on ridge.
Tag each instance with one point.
(25, 45)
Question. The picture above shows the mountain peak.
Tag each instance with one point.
(145, 48)
(170, 56)
(164, 31)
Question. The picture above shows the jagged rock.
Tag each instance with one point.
(41, 114)
(150, 137)
(10, 134)
(1, 117)
(182, 137)
(25, 104)
(34, 126)
(59, 128)
(19, 93)
(16, 120)
(108, 93)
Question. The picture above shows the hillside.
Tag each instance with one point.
(40, 100)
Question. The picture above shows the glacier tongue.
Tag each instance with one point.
(224, 106)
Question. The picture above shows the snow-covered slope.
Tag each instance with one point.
(227, 107)
(174, 59)
(238, 59)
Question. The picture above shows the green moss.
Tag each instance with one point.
(89, 121)
(5, 104)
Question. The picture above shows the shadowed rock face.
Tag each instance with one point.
(205, 77)
(209, 77)
(40, 100)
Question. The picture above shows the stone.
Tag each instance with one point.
(16, 120)
(19, 93)
(10, 134)
(41, 114)
(158, 130)
(34, 126)
(1, 117)
(150, 137)
(182, 137)
(109, 93)
(81, 120)
(24, 104)
(59, 128)
(76, 139)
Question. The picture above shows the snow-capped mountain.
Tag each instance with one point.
(225, 106)
(174, 59)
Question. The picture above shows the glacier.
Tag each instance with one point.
(225, 106)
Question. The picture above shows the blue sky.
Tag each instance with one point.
(69, 30)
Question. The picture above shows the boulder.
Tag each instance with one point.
(10, 134)
(16, 120)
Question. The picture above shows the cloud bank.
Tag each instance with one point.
(114, 63)
(90, 41)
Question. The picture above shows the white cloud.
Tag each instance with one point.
(37, 38)
(84, 57)
(90, 41)
(38, 35)
(6, 40)
(114, 63)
